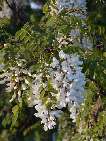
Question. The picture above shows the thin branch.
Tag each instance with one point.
(12, 6)
(9, 5)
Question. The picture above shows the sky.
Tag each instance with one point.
(35, 5)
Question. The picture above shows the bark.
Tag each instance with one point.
(18, 8)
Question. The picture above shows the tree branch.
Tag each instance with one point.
(12, 5)
(9, 5)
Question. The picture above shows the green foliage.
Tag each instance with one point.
(4, 29)
(37, 43)
(15, 111)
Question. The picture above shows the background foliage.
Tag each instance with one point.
(35, 39)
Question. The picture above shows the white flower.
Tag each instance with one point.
(5, 45)
(16, 81)
(73, 111)
(75, 60)
(62, 55)
(76, 38)
(71, 3)
(29, 74)
(54, 63)
(64, 66)
(15, 87)
(68, 81)
(19, 93)
(27, 82)
(13, 97)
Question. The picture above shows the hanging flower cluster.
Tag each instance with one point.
(44, 99)
(76, 8)
(16, 79)
(71, 4)
(61, 86)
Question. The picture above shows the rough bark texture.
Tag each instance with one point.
(4, 10)
(18, 15)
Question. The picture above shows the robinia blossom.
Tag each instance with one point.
(16, 80)
(71, 4)
(62, 85)
(78, 9)
(41, 102)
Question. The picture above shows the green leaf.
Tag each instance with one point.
(104, 54)
(6, 121)
(15, 111)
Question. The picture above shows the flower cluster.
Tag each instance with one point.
(77, 8)
(69, 4)
(67, 77)
(61, 86)
(42, 98)
(16, 79)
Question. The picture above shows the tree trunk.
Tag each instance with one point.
(18, 7)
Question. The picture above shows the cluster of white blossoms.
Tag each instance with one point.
(77, 9)
(61, 87)
(16, 80)
(41, 101)
(72, 4)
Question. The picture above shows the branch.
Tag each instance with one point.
(9, 5)
(12, 5)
